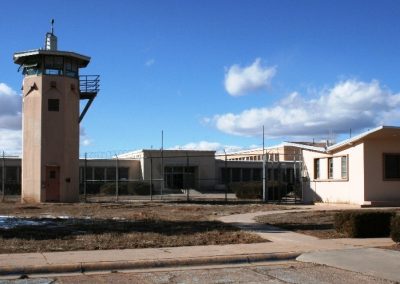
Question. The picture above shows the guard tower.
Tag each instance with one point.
(52, 90)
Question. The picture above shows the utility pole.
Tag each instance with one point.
(116, 177)
(85, 178)
(3, 177)
(264, 164)
(151, 177)
(226, 177)
(185, 175)
(162, 163)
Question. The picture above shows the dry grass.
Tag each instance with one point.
(314, 223)
(83, 234)
(138, 210)
(121, 226)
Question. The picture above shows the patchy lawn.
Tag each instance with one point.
(314, 223)
(65, 227)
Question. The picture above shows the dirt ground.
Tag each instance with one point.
(91, 226)
(314, 223)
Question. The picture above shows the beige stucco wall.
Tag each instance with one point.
(50, 138)
(376, 188)
(335, 190)
(31, 140)
(203, 160)
(133, 165)
(278, 153)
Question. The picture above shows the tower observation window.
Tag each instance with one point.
(53, 105)
(71, 68)
(53, 65)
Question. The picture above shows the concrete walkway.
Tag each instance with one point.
(357, 255)
(283, 245)
(375, 262)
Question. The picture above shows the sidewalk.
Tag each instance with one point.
(282, 245)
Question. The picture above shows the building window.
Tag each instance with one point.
(53, 104)
(236, 175)
(316, 168)
(330, 168)
(257, 174)
(344, 167)
(179, 177)
(391, 166)
(246, 174)
(225, 175)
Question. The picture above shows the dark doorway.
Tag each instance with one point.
(52, 184)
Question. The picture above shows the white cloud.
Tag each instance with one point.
(349, 104)
(10, 108)
(10, 141)
(84, 139)
(10, 120)
(239, 81)
(150, 62)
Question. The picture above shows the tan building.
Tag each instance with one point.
(286, 151)
(50, 122)
(180, 168)
(363, 170)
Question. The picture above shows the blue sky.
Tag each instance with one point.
(211, 73)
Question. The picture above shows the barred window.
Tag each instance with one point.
(391, 166)
(316, 168)
(330, 168)
(344, 170)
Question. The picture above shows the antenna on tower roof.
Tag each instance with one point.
(51, 39)
(52, 26)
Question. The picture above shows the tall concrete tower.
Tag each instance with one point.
(52, 90)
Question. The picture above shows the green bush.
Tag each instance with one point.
(363, 224)
(395, 229)
(247, 190)
(126, 188)
(107, 189)
(138, 188)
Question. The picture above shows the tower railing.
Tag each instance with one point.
(88, 88)
(89, 85)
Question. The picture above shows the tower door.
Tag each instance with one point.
(52, 183)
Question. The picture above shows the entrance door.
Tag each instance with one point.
(52, 183)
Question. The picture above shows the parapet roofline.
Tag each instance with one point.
(20, 57)
(142, 151)
(363, 135)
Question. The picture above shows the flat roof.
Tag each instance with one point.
(21, 57)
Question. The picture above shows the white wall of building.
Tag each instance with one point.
(336, 189)
(376, 187)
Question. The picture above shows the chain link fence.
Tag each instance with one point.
(175, 175)
(10, 176)
(191, 176)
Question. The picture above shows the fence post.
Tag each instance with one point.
(295, 178)
(226, 177)
(3, 177)
(162, 164)
(151, 178)
(185, 175)
(116, 177)
(85, 178)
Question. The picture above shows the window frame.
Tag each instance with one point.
(347, 167)
(53, 105)
(384, 155)
(330, 167)
(317, 168)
